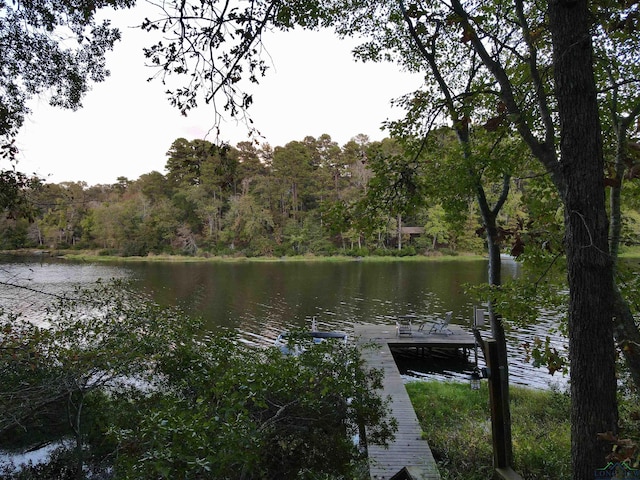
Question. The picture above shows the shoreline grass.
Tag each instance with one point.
(94, 256)
(456, 423)
(627, 252)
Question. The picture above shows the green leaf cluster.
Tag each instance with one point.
(54, 47)
(306, 197)
(145, 394)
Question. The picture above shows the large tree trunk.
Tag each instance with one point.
(591, 346)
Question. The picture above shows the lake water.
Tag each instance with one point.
(260, 299)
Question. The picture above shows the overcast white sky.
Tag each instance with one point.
(127, 125)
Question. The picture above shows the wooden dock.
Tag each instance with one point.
(409, 456)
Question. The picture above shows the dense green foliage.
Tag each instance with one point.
(143, 393)
(310, 196)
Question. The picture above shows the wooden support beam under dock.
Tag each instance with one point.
(409, 456)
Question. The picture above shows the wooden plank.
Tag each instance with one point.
(409, 449)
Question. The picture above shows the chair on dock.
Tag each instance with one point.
(403, 326)
(442, 325)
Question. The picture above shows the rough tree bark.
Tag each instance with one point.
(590, 269)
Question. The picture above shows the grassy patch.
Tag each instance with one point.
(456, 422)
(90, 256)
(627, 251)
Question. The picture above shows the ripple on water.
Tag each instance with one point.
(260, 301)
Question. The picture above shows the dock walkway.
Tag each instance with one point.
(409, 450)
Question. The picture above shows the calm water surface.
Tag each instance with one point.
(259, 300)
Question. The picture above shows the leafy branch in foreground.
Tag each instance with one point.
(286, 415)
(145, 394)
(50, 47)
